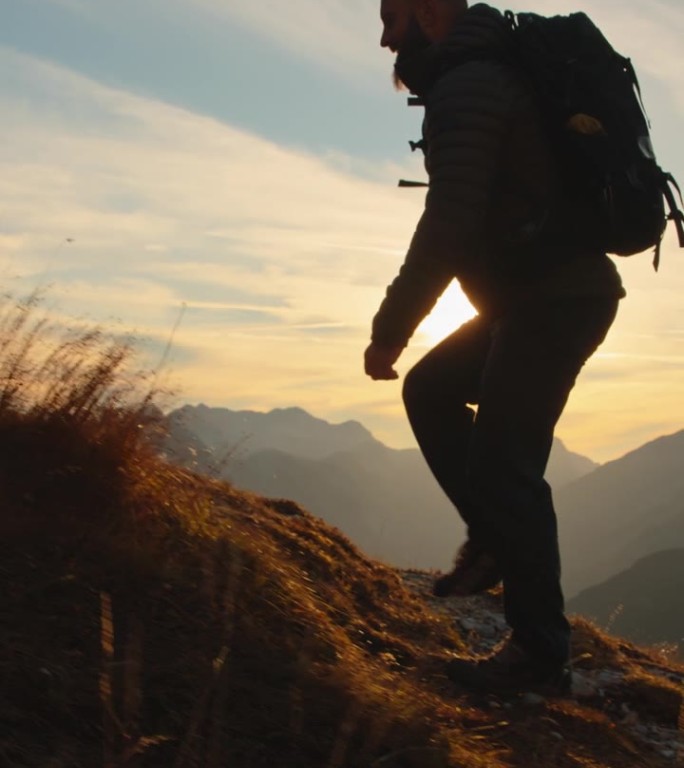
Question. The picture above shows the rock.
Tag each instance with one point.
(287, 508)
(532, 699)
(609, 677)
(470, 625)
(487, 630)
(584, 687)
(631, 718)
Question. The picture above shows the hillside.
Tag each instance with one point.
(622, 512)
(642, 603)
(152, 618)
(385, 500)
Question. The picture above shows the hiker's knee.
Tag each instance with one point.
(416, 389)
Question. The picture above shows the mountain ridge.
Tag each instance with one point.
(642, 603)
(384, 499)
(387, 502)
(292, 429)
(621, 512)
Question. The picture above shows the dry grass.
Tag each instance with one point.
(153, 618)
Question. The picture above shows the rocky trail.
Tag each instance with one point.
(632, 688)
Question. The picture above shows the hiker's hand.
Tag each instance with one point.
(379, 362)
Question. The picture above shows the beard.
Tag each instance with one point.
(413, 43)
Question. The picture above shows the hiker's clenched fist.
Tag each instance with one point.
(379, 362)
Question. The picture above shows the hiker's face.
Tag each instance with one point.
(402, 33)
(396, 17)
(417, 23)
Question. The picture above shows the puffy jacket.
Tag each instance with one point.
(496, 215)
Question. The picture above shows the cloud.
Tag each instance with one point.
(131, 208)
(160, 175)
(342, 35)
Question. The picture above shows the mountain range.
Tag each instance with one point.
(621, 512)
(386, 500)
(642, 603)
(621, 525)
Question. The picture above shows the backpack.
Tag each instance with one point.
(591, 103)
(591, 100)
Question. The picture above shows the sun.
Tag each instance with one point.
(451, 311)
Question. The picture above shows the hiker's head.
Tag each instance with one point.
(409, 25)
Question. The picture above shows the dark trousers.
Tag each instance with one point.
(519, 372)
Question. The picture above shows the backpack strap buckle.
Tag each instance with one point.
(411, 184)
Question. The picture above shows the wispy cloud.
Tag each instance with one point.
(162, 177)
(342, 35)
(132, 208)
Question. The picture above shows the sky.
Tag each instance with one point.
(222, 174)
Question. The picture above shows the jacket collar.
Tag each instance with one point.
(481, 30)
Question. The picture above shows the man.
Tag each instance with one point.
(499, 219)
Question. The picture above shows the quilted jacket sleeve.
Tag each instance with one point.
(468, 117)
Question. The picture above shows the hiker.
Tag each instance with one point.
(483, 404)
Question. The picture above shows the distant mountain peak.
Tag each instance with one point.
(625, 510)
(293, 410)
(292, 429)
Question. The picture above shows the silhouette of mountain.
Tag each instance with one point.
(565, 466)
(384, 499)
(291, 430)
(622, 512)
(643, 603)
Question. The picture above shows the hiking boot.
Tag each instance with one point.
(511, 669)
(474, 571)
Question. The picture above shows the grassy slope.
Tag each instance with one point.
(152, 618)
(156, 615)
